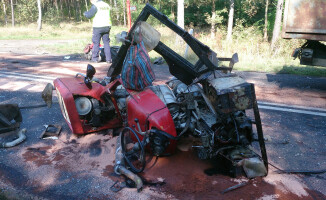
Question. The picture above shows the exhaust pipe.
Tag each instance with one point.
(119, 167)
(20, 139)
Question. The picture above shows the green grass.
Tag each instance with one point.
(254, 53)
(81, 32)
(71, 48)
(60, 31)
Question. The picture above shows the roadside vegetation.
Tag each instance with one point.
(254, 53)
(251, 35)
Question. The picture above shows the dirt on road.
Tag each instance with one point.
(278, 88)
(81, 167)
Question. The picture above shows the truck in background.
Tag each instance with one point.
(306, 19)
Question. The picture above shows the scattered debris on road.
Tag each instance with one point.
(204, 101)
(21, 137)
(234, 187)
(51, 132)
(10, 117)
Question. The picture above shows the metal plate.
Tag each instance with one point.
(305, 19)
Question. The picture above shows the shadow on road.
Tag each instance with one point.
(297, 81)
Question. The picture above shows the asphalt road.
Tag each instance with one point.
(293, 116)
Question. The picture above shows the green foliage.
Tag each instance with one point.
(197, 12)
(250, 12)
(26, 11)
(218, 19)
(51, 16)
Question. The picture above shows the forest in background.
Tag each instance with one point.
(251, 35)
(197, 13)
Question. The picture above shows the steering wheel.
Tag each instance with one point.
(133, 152)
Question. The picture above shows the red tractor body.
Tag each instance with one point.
(204, 101)
(145, 106)
(151, 113)
(68, 89)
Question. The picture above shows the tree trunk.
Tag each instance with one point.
(172, 13)
(86, 4)
(230, 22)
(181, 13)
(56, 6)
(124, 13)
(213, 20)
(180, 19)
(61, 9)
(39, 21)
(277, 24)
(76, 11)
(12, 14)
(116, 8)
(5, 12)
(266, 21)
(68, 5)
(80, 12)
(87, 8)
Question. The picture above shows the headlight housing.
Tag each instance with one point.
(83, 105)
(63, 106)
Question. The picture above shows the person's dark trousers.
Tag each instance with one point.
(99, 33)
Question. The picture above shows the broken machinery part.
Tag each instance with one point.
(20, 139)
(10, 117)
(51, 131)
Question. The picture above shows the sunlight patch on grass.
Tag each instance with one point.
(59, 31)
(71, 48)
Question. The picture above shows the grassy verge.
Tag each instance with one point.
(254, 53)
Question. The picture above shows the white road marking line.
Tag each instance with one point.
(270, 106)
(27, 78)
(292, 110)
(36, 88)
(291, 106)
(27, 75)
(14, 86)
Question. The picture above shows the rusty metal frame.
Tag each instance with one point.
(179, 66)
(259, 128)
(318, 33)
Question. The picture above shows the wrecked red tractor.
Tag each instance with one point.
(204, 101)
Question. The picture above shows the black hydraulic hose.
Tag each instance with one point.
(283, 171)
(143, 162)
(302, 171)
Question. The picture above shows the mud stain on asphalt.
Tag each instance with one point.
(94, 149)
(185, 179)
(38, 156)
